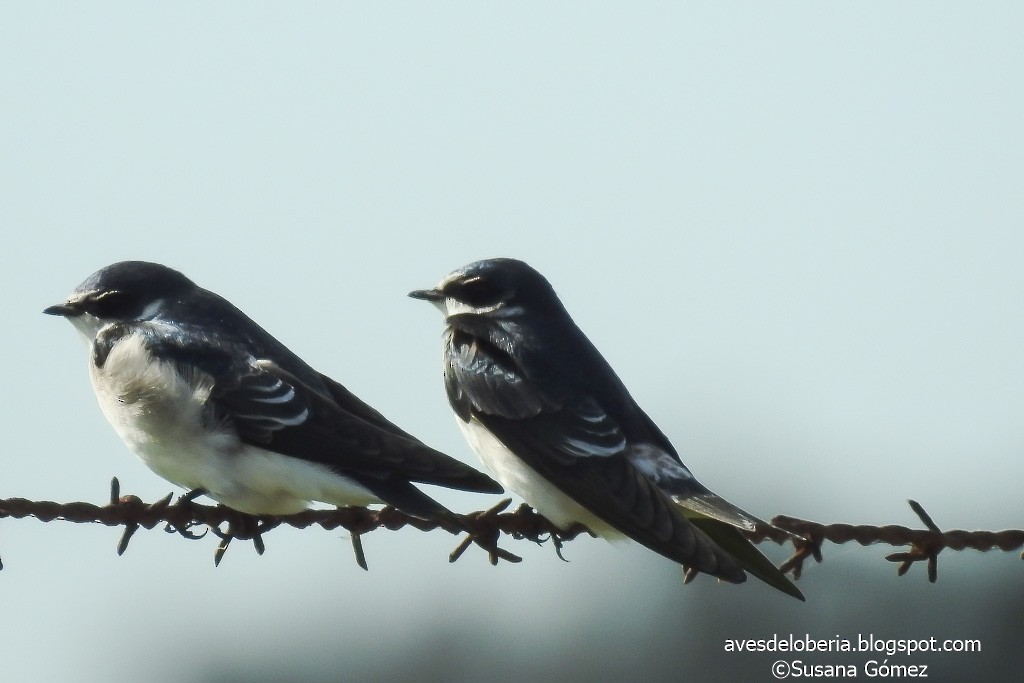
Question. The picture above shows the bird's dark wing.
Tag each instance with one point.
(356, 406)
(480, 377)
(609, 486)
(331, 434)
(571, 441)
(270, 407)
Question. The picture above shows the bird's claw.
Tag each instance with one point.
(245, 527)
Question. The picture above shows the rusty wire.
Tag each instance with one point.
(485, 528)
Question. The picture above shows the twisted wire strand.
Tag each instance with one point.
(485, 528)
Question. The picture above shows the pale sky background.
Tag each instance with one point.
(796, 230)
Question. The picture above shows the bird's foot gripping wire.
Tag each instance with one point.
(244, 526)
(531, 525)
(184, 522)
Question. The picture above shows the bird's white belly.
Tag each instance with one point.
(162, 416)
(541, 494)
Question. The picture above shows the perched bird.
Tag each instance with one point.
(552, 421)
(210, 401)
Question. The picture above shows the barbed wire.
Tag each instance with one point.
(485, 528)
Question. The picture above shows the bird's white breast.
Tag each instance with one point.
(517, 476)
(162, 414)
(158, 412)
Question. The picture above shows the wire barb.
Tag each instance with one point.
(928, 549)
(357, 548)
(222, 548)
(483, 528)
(803, 548)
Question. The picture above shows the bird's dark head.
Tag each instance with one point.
(499, 288)
(122, 292)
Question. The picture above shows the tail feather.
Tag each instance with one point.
(732, 540)
(710, 504)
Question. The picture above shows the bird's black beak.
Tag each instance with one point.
(64, 310)
(432, 295)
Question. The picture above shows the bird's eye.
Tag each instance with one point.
(478, 292)
(112, 304)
